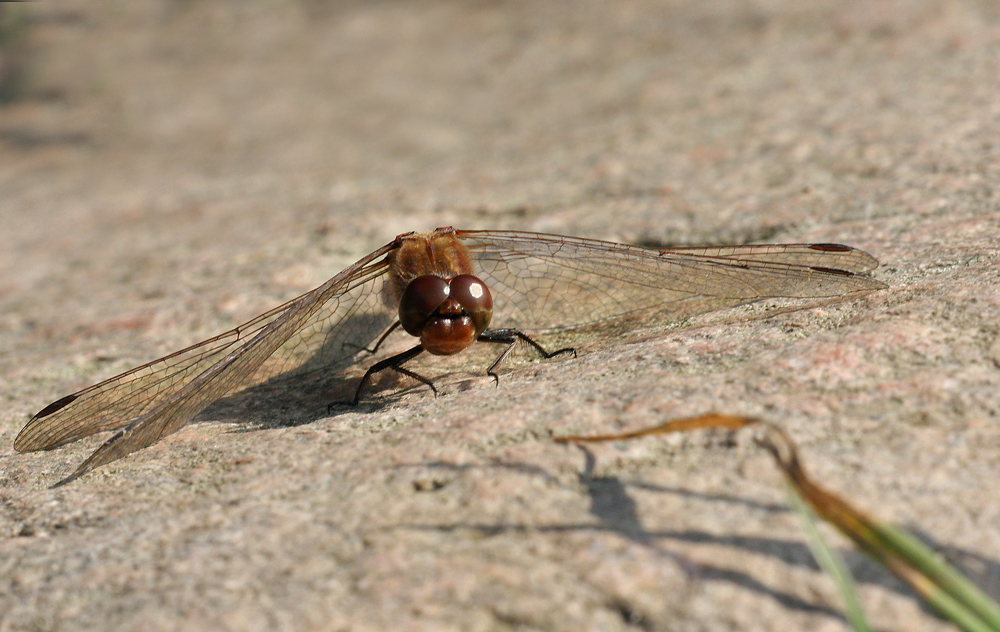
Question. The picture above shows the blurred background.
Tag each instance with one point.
(679, 121)
(264, 145)
(172, 168)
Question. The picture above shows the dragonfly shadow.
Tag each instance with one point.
(304, 394)
(319, 390)
(281, 402)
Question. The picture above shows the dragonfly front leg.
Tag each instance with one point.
(378, 344)
(393, 363)
(510, 337)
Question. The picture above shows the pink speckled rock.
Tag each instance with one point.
(168, 172)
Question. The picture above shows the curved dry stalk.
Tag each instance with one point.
(945, 589)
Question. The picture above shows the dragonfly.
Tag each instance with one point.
(444, 288)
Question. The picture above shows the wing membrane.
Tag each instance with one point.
(539, 282)
(110, 404)
(549, 283)
(325, 326)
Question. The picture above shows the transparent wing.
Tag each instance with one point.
(539, 282)
(325, 327)
(549, 283)
(112, 403)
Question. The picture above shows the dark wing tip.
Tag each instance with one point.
(101, 456)
(66, 481)
(872, 285)
(54, 406)
(831, 247)
(28, 440)
(856, 260)
(832, 271)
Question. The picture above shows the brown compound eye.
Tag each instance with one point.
(475, 298)
(420, 300)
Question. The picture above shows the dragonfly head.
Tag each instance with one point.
(447, 315)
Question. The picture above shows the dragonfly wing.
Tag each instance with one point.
(325, 326)
(548, 282)
(830, 256)
(112, 403)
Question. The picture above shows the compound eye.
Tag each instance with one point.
(475, 298)
(420, 299)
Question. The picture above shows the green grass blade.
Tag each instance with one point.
(830, 561)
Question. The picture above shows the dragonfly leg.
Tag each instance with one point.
(510, 337)
(389, 363)
(378, 344)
